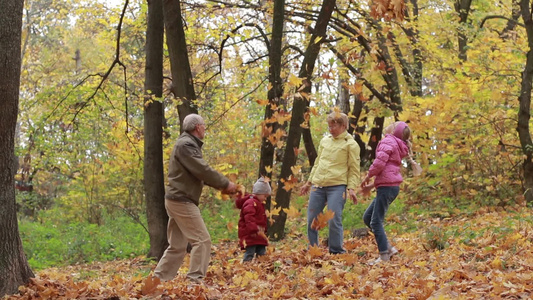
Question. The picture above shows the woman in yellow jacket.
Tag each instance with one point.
(334, 175)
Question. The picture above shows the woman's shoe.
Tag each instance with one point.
(382, 257)
(393, 251)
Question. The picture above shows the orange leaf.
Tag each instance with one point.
(315, 251)
(150, 285)
(230, 226)
(322, 219)
(263, 235)
(241, 189)
(262, 101)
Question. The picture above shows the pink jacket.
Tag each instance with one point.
(387, 164)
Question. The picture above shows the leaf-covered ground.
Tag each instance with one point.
(485, 256)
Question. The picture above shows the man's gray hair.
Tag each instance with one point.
(190, 122)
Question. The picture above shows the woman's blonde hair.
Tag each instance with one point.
(339, 118)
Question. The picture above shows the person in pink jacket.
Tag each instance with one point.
(386, 170)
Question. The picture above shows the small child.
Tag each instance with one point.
(253, 220)
(386, 170)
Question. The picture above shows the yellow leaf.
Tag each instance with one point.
(294, 80)
(497, 263)
(292, 212)
(274, 211)
(295, 170)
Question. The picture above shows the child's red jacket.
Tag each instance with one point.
(252, 218)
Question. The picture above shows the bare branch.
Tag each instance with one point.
(499, 17)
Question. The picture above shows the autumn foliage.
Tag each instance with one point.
(489, 256)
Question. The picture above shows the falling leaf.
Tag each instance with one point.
(230, 226)
(292, 212)
(262, 234)
(322, 219)
(294, 80)
(289, 183)
(295, 170)
(241, 189)
(262, 102)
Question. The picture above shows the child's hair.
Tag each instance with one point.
(402, 131)
(339, 118)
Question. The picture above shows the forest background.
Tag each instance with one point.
(455, 70)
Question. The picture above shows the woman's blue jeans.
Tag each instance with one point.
(375, 214)
(335, 198)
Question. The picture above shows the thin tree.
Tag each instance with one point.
(524, 112)
(301, 103)
(276, 88)
(154, 182)
(182, 81)
(14, 268)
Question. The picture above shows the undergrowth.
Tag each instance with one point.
(51, 241)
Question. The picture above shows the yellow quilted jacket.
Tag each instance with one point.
(337, 163)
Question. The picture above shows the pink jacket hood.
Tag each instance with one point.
(387, 164)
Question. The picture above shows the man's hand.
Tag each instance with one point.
(230, 189)
(353, 195)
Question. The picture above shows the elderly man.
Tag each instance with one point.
(187, 173)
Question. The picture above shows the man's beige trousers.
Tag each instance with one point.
(185, 224)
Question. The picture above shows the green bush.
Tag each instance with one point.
(58, 241)
(51, 243)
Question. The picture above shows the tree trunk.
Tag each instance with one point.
(375, 137)
(154, 182)
(310, 148)
(301, 103)
(462, 7)
(356, 131)
(182, 81)
(525, 105)
(275, 93)
(343, 98)
(14, 269)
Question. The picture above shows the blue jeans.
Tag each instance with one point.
(251, 250)
(375, 214)
(335, 198)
